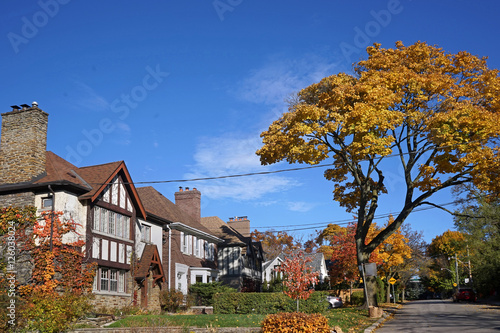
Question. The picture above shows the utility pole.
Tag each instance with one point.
(456, 269)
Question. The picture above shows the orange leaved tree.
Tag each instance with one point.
(61, 280)
(434, 114)
(298, 276)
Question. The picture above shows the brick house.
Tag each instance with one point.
(189, 248)
(101, 199)
(239, 258)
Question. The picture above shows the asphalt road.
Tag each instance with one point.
(443, 316)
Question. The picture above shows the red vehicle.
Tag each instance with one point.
(464, 294)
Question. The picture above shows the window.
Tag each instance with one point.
(47, 202)
(110, 280)
(97, 213)
(104, 220)
(121, 281)
(111, 223)
(196, 246)
(113, 280)
(104, 279)
(146, 233)
(182, 242)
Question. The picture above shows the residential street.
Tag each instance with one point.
(443, 316)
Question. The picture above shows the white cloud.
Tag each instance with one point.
(269, 87)
(279, 79)
(300, 206)
(216, 157)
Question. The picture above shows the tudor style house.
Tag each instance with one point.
(239, 258)
(101, 199)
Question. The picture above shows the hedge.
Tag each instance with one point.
(266, 303)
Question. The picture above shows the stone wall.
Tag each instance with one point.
(23, 145)
(17, 199)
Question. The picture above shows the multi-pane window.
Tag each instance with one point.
(113, 280)
(146, 233)
(104, 279)
(110, 280)
(111, 223)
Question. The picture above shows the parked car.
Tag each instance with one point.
(464, 294)
(335, 302)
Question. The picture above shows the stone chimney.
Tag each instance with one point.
(23, 144)
(240, 224)
(189, 201)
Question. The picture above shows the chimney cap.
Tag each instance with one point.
(34, 104)
(15, 107)
(25, 106)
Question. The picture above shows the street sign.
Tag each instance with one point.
(392, 280)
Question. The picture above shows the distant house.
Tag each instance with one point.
(239, 258)
(317, 264)
(101, 199)
(189, 248)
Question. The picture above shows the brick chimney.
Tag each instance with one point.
(189, 201)
(23, 144)
(240, 224)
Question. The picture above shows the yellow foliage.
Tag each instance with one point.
(295, 322)
(438, 111)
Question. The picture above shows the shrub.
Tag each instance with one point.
(203, 293)
(357, 298)
(295, 322)
(171, 300)
(50, 313)
(266, 303)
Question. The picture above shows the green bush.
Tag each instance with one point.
(203, 293)
(357, 298)
(266, 303)
(295, 322)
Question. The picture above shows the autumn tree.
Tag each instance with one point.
(275, 242)
(434, 112)
(393, 253)
(443, 249)
(61, 280)
(298, 276)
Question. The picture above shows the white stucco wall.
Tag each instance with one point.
(156, 237)
(72, 209)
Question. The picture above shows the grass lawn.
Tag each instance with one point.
(346, 318)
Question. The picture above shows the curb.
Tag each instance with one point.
(375, 325)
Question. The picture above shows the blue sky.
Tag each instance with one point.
(182, 89)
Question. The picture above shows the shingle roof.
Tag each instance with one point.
(157, 204)
(220, 229)
(150, 259)
(94, 178)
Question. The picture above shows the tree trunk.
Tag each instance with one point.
(388, 293)
(370, 282)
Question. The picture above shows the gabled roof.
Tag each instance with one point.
(220, 229)
(92, 179)
(150, 260)
(158, 205)
(315, 263)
